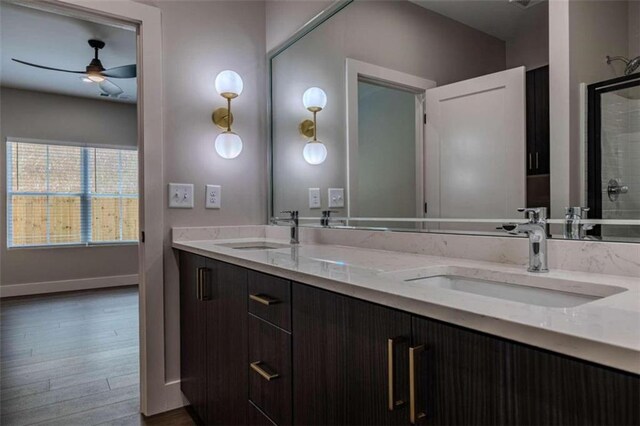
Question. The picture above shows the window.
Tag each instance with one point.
(58, 194)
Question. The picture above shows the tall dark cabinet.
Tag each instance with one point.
(213, 328)
(193, 333)
(537, 153)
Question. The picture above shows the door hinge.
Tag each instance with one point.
(425, 208)
(142, 237)
(424, 116)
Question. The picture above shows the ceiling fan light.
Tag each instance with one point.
(86, 80)
(96, 78)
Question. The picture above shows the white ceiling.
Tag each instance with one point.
(59, 41)
(499, 18)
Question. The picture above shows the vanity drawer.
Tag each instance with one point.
(270, 370)
(270, 299)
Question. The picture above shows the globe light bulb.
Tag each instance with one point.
(228, 145)
(314, 99)
(229, 84)
(314, 153)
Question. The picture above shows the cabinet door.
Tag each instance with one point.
(375, 341)
(318, 380)
(226, 340)
(551, 389)
(341, 359)
(192, 333)
(460, 376)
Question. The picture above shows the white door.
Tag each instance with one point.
(475, 147)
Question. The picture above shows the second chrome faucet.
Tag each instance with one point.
(536, 230)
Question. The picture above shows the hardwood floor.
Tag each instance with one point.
(72, 359)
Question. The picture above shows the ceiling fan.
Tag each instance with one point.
(96, 73)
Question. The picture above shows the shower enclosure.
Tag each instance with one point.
(613, 153)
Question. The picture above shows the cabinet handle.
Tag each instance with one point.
(204, 290)
(529, 161)
(391, 346)
(199, 283)
(268, 376)
(536, 160)
(414, 414)
(264, 299)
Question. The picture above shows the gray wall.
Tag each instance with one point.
(393, 34)
(285, 17)
(27, 114)
(596, 29)
(530, 45)
(201, 39)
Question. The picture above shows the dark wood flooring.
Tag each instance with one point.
(72, 359)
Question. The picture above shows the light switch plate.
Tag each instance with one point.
(314, 198)
(336, 197)
(181, 195)
(214, 194)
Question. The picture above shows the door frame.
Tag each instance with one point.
(156, 395)
(594, 148)
(356, 70)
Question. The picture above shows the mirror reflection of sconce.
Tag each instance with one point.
(314, 99)
(228, 85)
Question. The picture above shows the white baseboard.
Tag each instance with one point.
(27, 289)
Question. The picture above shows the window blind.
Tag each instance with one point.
(61, 194)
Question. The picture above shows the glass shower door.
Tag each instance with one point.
(614, 154)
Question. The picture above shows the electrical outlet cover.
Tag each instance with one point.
(314, 198)
(181, 195)
(336, 197)
(214, 194)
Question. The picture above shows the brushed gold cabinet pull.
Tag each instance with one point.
(391, 345)
(264, 299)
(268, 376)
(414, 414)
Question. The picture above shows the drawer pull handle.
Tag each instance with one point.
(268, 376)
(391, 346)
(264, 299)
(414, 414)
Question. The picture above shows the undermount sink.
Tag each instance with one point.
(541, 291)
(254, 245)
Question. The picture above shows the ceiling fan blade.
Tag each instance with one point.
(109, 88)
(125, 71)
(46, 68)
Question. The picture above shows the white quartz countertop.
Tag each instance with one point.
(605, 331)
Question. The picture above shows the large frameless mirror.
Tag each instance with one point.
(448, 116)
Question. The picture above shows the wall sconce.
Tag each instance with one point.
(228, 85)
(314, 152)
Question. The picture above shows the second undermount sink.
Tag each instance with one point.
(254, 245)
(541, 291)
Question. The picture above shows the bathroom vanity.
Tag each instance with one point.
(323, 334)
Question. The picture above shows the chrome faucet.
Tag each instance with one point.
(325, 220)
(574, 229)
(536, 230)
(293, 222)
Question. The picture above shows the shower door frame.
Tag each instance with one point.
(594, 147)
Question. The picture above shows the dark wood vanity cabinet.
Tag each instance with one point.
(343, 361)
(213, 330)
